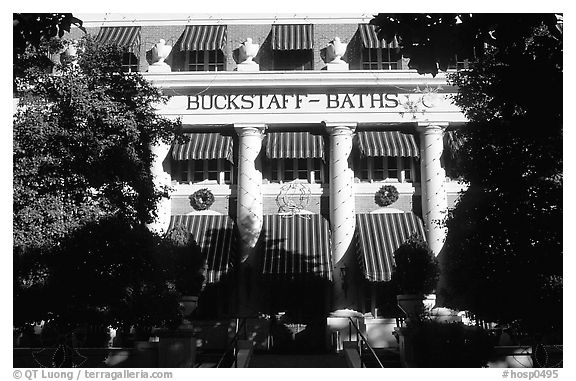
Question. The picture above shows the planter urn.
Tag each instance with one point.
(188, 304)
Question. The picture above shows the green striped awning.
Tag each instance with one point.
(214, 234)
(123, 36)
(370, 38)
(203, 146)
(294, 145)
(292, 37)
(379, 236)
(297, 245)
(203, 37)
(387, 143)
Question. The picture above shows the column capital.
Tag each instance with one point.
(339, 128)
(250, 129)
(432, 127)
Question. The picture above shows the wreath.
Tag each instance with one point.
(386, 195)
(202, 199)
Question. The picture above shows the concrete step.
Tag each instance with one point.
(328, 360)
(390, 358)
(206, 365)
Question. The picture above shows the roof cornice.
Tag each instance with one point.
(119, 19)
(404, 81)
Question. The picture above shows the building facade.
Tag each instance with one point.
(293, 124)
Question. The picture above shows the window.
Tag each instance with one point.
(464, 59)
(195, 171)
(408, 168)
(381, 59)
(129, 62)
(459, 63)
(202, 60)
(284, 170)
(387, 168)
(293, 59)
(292, 46)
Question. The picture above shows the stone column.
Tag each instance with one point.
(342, 209)
(433, 178)
(249, 204)
(161, 173)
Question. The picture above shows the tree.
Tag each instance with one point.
(82, 147)
(83, 191)
(32, 30)
(503, 255)
(106, 273)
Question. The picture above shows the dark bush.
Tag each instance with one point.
(447, 345)
(184, 260)
(416, 270)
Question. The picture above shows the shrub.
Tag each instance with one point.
(416, 270)
(184, 259)
(433, 344)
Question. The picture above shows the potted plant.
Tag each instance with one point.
(186, 264)
(415, 275)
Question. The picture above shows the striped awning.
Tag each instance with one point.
(292, 37)
(123, 36)
(215, 236)
(297, 245)
(203, 37)
(203, 146)
(370, 38)
(379, 236)
(294, 145)
(387, 143)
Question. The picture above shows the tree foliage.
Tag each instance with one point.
(106, 273)
(82, 147)
(31, 31)
(503, 254)
(416, 268)
(83, 191)
(432, 41)
(184, 260)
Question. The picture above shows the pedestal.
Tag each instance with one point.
(337, 66)
(248, 66)
(159, 67)
(177, 349)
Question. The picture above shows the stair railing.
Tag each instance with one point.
(361, 340)
(233, 345)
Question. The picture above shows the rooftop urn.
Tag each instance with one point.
(160, 52)
(248, 51)
(335, 50)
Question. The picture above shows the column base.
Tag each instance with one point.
(159, 67)
(337, 66)
(248, 66)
